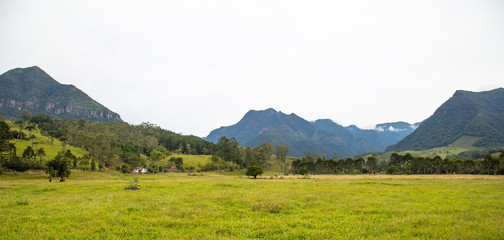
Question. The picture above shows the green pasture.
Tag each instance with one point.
(465, 143)
(195, 161)
(51, 149)
(212, 206)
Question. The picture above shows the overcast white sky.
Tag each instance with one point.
(193, 66)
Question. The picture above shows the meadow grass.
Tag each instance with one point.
(215, 206)
(195, 161)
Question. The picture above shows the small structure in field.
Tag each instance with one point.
(139, 170)
(171, 169)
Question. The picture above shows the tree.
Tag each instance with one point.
(64, 141)
(59, 166)
(501, 160)
(93, 165)
(28, 153)
(5, 136)
(491, 164)
(254, 171)
(282, 150)
(20, 124)
(264, 153)
(30, 128)
(229, 150)
(26, 115)
(372, 163)
(41, 153)
(303, 171)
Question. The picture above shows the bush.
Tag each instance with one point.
(133, 184)
(124, 169)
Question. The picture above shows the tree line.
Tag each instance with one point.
(398, 164)
(230, 150)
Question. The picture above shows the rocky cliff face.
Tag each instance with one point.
(33, 89)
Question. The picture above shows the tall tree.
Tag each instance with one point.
(26, 115)
(5, 136)
(282, 150)
(20, 124)
(372, 164)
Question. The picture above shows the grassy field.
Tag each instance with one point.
(193, 160)
(465, 143)
(178, 206)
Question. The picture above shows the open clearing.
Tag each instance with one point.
(213, 206)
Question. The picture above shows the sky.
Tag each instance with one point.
(193, 66)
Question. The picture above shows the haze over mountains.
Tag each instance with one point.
(33, 89)
(320, 136)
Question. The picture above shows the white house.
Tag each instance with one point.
(141, 170)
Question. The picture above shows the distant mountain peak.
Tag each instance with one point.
(33, 89)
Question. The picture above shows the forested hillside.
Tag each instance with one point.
(478, 115)
(119, 145)
(33, 89)
(120, 141)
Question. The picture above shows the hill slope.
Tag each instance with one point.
(465, 114)
(33, 89)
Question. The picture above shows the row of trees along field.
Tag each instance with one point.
(399, 164)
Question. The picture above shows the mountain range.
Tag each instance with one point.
(320, 136)
(475, 119)
(33, 89)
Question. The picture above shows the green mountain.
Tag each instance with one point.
(301, 135)
(33, 89)
(477, 115)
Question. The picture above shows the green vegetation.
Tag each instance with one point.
(95, 206)
(466, 114)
